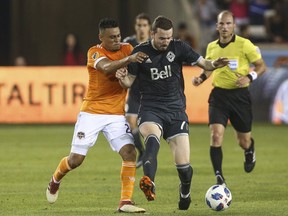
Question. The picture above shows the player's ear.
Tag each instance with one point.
(151, 34)
(100, 36)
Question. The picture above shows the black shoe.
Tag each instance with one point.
(250, 158)
(220, 179)
(184, 200)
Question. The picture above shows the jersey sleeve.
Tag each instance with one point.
(208, 52)
(252, 52)
(186, 53)
(94, 55)
(133, 67)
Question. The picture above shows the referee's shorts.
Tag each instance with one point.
(231, 104)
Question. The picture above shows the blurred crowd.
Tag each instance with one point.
(264, 21)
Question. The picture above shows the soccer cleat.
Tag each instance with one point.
(184, 200)
(148, 188)
(129, 207)
(220, 179)
(250, 158)
(52, 191)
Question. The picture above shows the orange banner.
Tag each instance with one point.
(54, 94)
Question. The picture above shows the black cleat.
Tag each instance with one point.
(250, 158)
(184, 200)
(220, 179)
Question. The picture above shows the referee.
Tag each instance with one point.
(230, 97)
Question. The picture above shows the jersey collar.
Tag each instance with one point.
(223, 45)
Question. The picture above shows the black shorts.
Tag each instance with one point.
(132, 104)
(171, 124)
(232, 104)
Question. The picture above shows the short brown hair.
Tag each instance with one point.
(162, 23)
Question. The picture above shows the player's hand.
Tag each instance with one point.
(121, 73)
(221, 62)
(138, 57)
(196, 81)
(242, 81)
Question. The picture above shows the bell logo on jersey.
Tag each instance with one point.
(155, 74)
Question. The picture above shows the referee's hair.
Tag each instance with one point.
(226, 12)
(107, 23)
(162, 23)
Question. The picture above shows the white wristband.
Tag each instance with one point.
(254, 75)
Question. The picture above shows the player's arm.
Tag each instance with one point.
(211, 65)
(259, 69)
(196, 81)
(125, 79)
(108, 66)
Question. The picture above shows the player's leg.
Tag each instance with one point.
(151, 133)
(247, 143)
(218, 119)
(132, 120)
(241, 119)
(119, 136)
(80, 145)
(216, 154)
(180, 148)
(131, 113)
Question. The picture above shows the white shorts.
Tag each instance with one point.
(114, 127)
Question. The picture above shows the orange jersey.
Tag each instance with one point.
(104, 95)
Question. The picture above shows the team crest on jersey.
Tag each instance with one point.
(80, 135)
(170, 56)
(95, 55)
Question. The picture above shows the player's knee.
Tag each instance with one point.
(75, 160)
(128, 152)
(244, 142)
(216, 139)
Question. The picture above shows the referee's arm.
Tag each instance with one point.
(259, 69)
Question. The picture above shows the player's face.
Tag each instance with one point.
(162, 38)
(225, 26)
(142, 28)
(111, 39)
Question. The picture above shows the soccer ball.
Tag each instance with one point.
(218, 197)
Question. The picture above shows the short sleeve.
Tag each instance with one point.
(252, 52)
(94, 55)
(186, 53)
(208, 52)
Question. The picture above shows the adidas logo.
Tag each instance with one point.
(148, 61)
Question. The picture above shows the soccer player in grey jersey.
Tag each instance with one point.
(163, 103)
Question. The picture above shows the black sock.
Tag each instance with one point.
(185, 173)
(251, 147)
(137, 141)
(150, 157)
(216, 156)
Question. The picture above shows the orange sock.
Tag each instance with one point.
(62, 169)
(128, 173)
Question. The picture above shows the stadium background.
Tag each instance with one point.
(30, 152)
(36, 30)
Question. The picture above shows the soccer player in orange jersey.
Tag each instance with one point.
(103, 111)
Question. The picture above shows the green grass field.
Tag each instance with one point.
(30, 154)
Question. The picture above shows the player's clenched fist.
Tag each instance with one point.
(138, 57)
